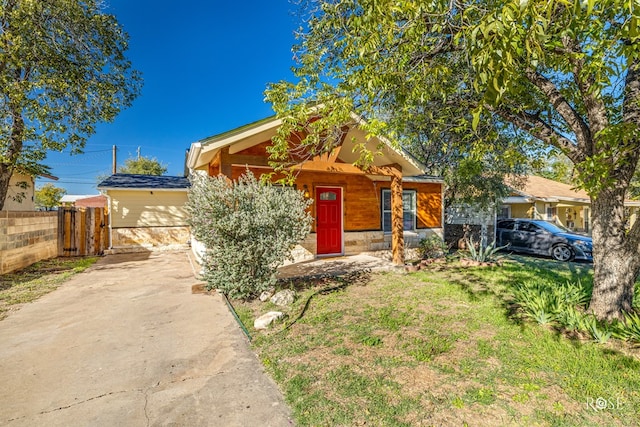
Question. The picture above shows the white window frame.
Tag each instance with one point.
(549, 212)
(508, 209)
(414, 209)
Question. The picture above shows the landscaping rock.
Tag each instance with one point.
(284, 298)
(265, 320)
(266, 295)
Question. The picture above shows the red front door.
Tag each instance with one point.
(329, 220)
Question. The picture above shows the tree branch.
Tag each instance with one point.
(562, 106)
(540, 129)
(596, 110)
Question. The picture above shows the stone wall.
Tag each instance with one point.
(26, 238)
(375, 243)
(136, 239)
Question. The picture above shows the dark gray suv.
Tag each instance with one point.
(540, 237)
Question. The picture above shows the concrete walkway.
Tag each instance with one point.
(126, 344)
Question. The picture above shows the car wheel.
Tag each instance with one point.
(562, 252)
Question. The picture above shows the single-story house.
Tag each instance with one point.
(355, 210)
(542, 198)
(146, 211)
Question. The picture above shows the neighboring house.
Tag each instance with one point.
(84, 201)
(542, 198)
(146, 211)
(20, 194)
(353, 209)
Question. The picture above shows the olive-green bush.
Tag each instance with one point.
(248, 228)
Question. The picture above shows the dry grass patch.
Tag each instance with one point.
(31, 283)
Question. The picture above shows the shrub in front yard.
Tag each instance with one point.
(248, 228)
(432, 247)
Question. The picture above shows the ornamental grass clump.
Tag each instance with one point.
(248, 228)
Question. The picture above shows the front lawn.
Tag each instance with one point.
(444, 346)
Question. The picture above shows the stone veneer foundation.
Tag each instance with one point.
(375, 243)
(141, 239)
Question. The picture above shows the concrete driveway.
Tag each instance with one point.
(126, 343)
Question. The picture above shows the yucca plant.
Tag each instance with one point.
(629, 330)
(599, 332)
(546, 302)
(536, 302)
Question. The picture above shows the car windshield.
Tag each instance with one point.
(554, 228)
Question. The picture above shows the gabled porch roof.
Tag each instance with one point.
(202, 152)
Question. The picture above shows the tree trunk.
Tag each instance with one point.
(12, 152)
(6, 170)
(615, 262)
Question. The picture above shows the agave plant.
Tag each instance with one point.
(484, 254)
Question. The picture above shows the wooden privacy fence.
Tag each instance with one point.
(82, 231)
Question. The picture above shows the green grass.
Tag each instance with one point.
(31, 283)
(444, 347)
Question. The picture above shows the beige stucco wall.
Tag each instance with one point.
(145, 208)
(26, 238)
(565, 213)
(14, 191)
(520, 210)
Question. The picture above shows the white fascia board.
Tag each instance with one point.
(194, 155)
(517, 199)
(231, 138)
(573, 199)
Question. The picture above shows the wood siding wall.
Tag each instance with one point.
(144, 208)
(362, 197)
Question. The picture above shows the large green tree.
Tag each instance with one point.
(62, 70)
(559, 73)
(143, 165)
(48, 196)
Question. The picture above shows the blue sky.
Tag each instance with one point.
(205, 67)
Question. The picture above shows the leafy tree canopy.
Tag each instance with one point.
(143, 166)
(497, 76)
(557, 167)
(62, 70)
(48, 196)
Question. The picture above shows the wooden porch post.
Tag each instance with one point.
(397, 215)
(225, 163)
(397, 211)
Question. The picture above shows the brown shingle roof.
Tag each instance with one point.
(543, 188)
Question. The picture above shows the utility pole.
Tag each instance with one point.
(114, 168)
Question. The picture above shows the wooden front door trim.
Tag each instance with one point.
(326, 244)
